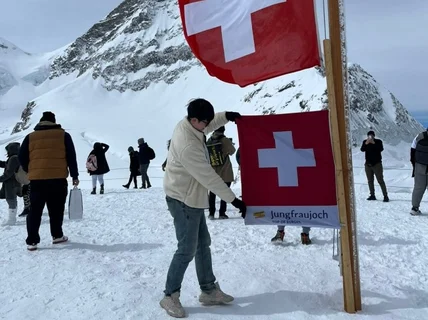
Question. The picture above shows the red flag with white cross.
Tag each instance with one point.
(287, 170)
(247, 41)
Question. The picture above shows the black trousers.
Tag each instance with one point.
(53, 194)
(223, 204)
(132, 176)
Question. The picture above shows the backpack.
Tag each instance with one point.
(150, 153)
(215, 151)
(421, 154)
(91, 163)
(21, 176)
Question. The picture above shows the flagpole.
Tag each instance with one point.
(335, 69)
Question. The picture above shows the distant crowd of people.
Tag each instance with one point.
(373, 149)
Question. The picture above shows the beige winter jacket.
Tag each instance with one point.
(189, 175)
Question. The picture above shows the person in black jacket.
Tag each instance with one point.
(144, 162)
(373, 152)
(10, 188)
(134, 167)
(101, 166)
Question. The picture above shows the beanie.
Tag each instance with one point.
(141, 141)
(48, 116)
(200, 109)
(371, 133)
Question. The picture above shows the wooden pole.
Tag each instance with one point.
(335, 85)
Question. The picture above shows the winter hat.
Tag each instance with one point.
(48, 116)
(200, 109)
(130, 149)
(221, 129)
(141, 141)
(371, 133)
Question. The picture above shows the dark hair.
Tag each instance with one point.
(200, 109)
(48, 116)
(371, 133)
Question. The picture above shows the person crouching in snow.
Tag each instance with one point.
(304, 236)
(188, 177)
(134, 168)
(11, 188)
(97, 165)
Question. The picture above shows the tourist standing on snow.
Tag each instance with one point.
(47, 155)
(419, 160)
(373, 152)
(134, 167)
(97, 165)
(146, 154)
(187, 179)
(304, 236)
(10, 188)
(168, 143)
(220, 148)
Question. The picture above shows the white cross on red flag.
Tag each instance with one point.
(247, 41)
(287, 170)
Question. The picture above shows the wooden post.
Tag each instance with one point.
(335, 87)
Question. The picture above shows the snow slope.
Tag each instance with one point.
(22, 78)
(115, 265)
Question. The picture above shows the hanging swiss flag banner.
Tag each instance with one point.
(287, 170)
(247, 41)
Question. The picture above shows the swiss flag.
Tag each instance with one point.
(287, 169)
(247, 41)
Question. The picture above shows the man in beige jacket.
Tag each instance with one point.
(188, 177)
(222, 166)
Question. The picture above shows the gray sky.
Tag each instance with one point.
(388, 38)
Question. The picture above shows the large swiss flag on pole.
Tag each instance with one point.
(287, 170)
(247, 41)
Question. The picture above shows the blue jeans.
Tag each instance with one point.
(193, 241)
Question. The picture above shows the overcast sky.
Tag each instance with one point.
(389, 38)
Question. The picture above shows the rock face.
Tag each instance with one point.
(140, 43)
(129, 40)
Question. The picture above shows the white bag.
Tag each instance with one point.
(75, 204)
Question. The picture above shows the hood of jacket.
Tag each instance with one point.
(13, 149)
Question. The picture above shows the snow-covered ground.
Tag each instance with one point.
(114, 266)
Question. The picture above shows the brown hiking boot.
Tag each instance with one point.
(304, 237)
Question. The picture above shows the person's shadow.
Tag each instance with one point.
(283, 302)
(118, 247)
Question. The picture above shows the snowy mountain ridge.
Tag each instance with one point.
(134, 71)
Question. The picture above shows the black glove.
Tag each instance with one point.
(232, 116)
(239, 204)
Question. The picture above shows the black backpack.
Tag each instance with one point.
(150, 153)
(421, 154)
(215, 151)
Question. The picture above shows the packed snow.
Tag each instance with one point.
(115, 264)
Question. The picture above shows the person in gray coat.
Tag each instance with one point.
(11, 188)
(419, 160)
